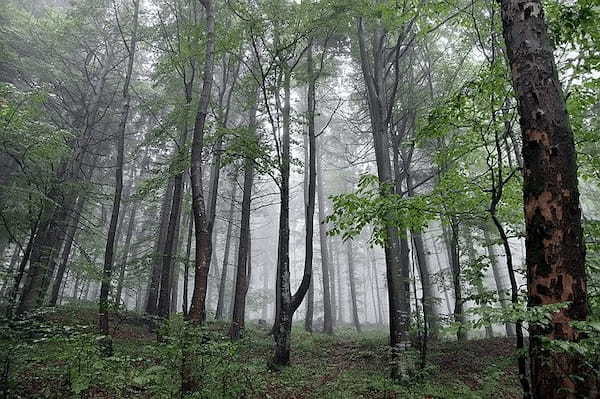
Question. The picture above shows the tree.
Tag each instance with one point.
(242, 280)
(203, 227)
(103, 306)
(555, 248)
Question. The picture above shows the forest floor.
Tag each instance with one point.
(54, 355)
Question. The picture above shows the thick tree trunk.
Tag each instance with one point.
(283, 318)
(555, 250)
(202, 224)
(398, 288)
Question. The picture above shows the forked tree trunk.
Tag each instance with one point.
(555, 250)
(283, 317)
(202, 225)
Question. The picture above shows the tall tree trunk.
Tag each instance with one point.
(43, 257)
(186, 267)
(327, 291)
(242, 276)
(493, 257)
(373, 262)
(223, 279)
(478, 281)
(170, 251)
(108, 254)
(555, 250)
(352, 281)
(442, 272)
(11, 269)
(514, 288)
(71, 232)
(126, 250)
(283, 318)
(203, 227)
(242, 280)
(398, 289)
(159, 251)
(455, 266)
(340, 295)
(175, 269)
(172, 236)
(12, 296)
(309, 202)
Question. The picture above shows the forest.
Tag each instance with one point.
(300, 199)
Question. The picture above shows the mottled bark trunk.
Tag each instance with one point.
(555, 251)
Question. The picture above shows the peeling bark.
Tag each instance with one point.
(555, 250)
